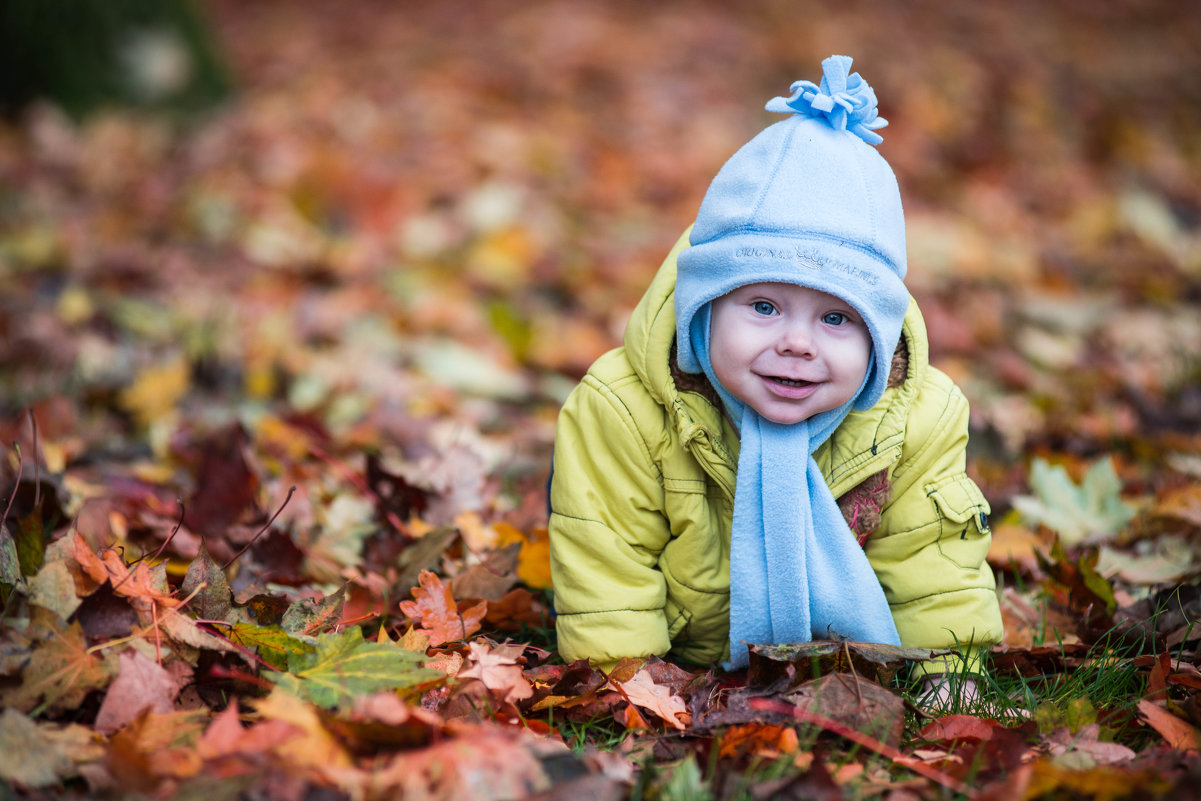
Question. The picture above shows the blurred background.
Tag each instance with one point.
(407, 228)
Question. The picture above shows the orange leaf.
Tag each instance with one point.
(632, 719)
(1179, 734)
(440, 617)
(758, 739)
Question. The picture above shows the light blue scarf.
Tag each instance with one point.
(796, 571)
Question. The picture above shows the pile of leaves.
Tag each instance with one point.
(278, 388)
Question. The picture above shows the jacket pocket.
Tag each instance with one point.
(963, 517)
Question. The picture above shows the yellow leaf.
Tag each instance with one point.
(314, 744)
(156, 390)
(476, 535)
(533, 563)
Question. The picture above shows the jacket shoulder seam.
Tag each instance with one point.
(627, 416)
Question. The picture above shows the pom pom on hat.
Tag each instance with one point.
(808, 201)
(846, 101)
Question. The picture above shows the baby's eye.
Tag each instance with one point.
(834, 318)
(763, 307)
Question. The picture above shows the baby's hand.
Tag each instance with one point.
(940, 692)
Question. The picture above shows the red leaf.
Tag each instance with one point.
(959, 727)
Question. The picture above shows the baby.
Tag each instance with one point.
(770, 458)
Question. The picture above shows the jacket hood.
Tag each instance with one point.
(650, 349)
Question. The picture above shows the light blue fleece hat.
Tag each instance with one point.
(808, 201)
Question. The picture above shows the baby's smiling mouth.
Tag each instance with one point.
(789, 382)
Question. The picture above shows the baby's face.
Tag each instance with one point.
(787, 351)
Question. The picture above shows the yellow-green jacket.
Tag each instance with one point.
(642, 500)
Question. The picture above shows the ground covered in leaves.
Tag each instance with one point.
(278, 386)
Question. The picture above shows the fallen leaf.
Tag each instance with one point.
(345, 666)
(440, 617)
(1094, 509)
(61, 670)
(270, 643)
(141, 684)
(1176, 732)
(206, 584)
(496, 667)
(855, 702)
(764, 740)
(310, 617)
(799, 662)
(157, 390)
(36, 755)
(657, 699)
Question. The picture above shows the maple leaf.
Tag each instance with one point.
(1093, 510)
(497, 668)
(440, 617)
(61, 670)
(345, 666)
(642, 691)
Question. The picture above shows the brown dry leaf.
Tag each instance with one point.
(855, 702)
(61, 670)
(141, 684)
(142, 582)
(655, 698)
(36, 755)
(440, 617)
(1176, 732)
(497, 668)
(518, 607)
(490, 579)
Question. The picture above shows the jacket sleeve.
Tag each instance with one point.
(931, 547)
(607, 529)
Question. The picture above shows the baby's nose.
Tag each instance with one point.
(797, 340)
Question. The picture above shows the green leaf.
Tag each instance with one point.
(345, 666)
(31, 543)
(272, 644)
(1093, 510)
